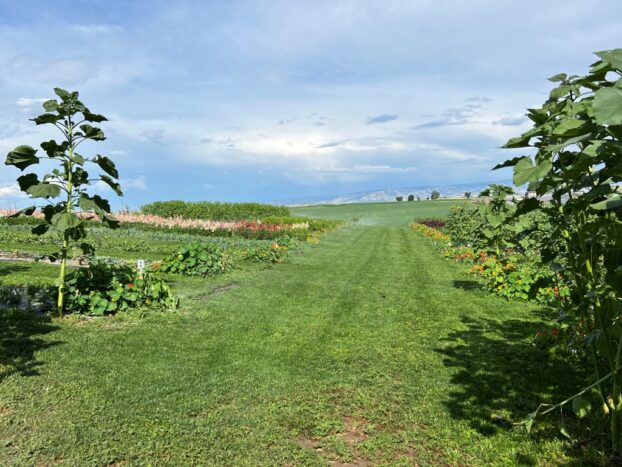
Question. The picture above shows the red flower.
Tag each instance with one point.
(131, 284)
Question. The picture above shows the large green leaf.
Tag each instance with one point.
(50, 106)
(611, 203)
(558, 77)
(91, 132)
(608, 106)
(106, 165)
(509, 163)
(28, 180)
(44, 190)
(581, 407)
(53, 149)
(569, 127)
(91, 117)
(95, 203)
(64, 95)
(612, 57)
(46, 118)
(29, 211)
(22, 157)
(525, 171)
(112, 184)
(65, 220)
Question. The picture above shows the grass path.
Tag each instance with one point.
(367, 349)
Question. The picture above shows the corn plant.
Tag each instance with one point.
(577, 169)
(64, 188)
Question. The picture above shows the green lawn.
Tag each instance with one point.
(366, 348)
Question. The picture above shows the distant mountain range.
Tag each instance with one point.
(379, 196)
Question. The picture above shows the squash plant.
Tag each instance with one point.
(577, 140)
(64, 188)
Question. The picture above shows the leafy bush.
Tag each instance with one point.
(214, 210)
(435, 195)
(197, 259)
(105, 288)
(464, 223)
(411, 197)
(399, 198)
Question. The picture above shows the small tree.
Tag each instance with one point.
(411, 197)
(64, 188)
(399, 198)
(435, 194)
(467, 194)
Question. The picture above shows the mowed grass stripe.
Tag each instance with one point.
(369, 326)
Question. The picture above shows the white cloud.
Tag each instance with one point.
(25, 102)
(10, 192)
(97, 28)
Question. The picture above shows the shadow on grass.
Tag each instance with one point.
(21, 336)
(498, 370)
(6, 269)
(468, 285)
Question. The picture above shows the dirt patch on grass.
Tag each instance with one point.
(6, 412)
(354, 432)
(217, 291)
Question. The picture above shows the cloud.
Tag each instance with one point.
(328, 145)
(481, 99)
(96, 28)
(25, 102)
(384, 118)
(510, 121)
(138, 183)
(12, 191)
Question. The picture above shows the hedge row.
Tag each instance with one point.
(214, 210)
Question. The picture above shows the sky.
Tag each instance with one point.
(272, 100)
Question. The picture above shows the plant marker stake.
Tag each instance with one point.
(140, 265)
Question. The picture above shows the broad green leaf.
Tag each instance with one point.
(611, 203)
(53, 149)
(525, 171)
(568, 127)
(95, 203)
(558, 77)
(29, 211)
(22, 157)
(518, 142)
(106, 165)
(112, 184)
(65, 220)
(612, 57)
(64, 95)
(46, 118)
(581, 407)
(91, 132)
(110, 221)
(509, 163)
(26, 181)
(78, 159)
(608, 106)
(91, 117)
(565, 433)
(44, 190)
(40, 229)
(50, 105)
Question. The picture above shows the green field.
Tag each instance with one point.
(368, 349)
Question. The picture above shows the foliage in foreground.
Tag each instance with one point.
(214, 210)
(104, 288)
(68, 182)
(577, 136)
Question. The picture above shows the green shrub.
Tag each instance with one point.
(105, 288)
(214, 210)
(464, 223)
(197, 259)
